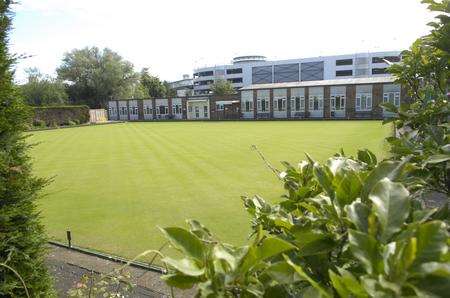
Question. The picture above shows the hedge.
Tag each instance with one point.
(60, 115)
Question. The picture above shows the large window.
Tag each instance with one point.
(133, 110)
(247, 101)
(379, 70)
(315, 102)
(344, 73)
(392, 97)
(340, 62)
(123, 111)
(148, 110)
(112, 111)
(262, 99)
(363, 101)
(176, 109)
(388, 58)
(337, 102)
(297, 100)
(363, 98)
(234, 70)
(220, 106)
(205, 111)
(162, 110)
(279, 99)
(235, 80)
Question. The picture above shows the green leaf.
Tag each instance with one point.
(367, 156)
(282, 273)
(186, 266)
(180, 281)
(199, 230)
(387, 169)
(391, 206)
(359, 214)
(348, 188)
(185, 241)
(324, 177)
(322, 291)
(364, 248)
(431, 242)
(347, 285)
(268, 248)
(437, 158)
(312, 241)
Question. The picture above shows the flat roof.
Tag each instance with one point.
(334, 82)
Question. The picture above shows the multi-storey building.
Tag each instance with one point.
(251, 70)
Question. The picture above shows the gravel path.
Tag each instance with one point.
(68, 266)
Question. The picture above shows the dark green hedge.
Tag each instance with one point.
(60, 115)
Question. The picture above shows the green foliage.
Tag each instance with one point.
(22, 238)
(42, 90)
(96, 76)
(153, 86)
(60, 115)
(322, 241)
(222, 87)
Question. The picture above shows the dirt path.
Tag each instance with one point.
(68, 266)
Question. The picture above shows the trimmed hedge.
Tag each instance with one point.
(60, 115)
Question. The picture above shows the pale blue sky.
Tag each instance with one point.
(174, 36)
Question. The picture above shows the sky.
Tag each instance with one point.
(173, 37)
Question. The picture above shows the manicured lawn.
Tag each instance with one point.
(114, 184)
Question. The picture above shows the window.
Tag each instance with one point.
(388, 58)
(205, 73)
(204, 83)
(344, 73)
(337, 102)
(197, 112)
(220, 107)
(344, 62)
(297, 99)
(190, 109)
(247, 101)
(279, 99)
(234, 70)
(392, 97)
(262, 100)
(315, 102)
(235, 80)
(112, 111)
(133, 110)
(363, 101)
(379, 70)
(205, 111)
(162, 110)
(248, 106)
(123, 111)
(148, 110)
(176, 109)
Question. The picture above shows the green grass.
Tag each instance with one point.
(114, 184)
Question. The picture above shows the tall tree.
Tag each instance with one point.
(222, 87)
(22, 239)
(155, 88)
(96, 76)
(42, 89)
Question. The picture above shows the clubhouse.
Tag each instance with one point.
(350, 98)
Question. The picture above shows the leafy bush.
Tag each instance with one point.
(61, 115)
(348, 227)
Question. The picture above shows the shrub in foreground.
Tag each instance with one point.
(22, 238)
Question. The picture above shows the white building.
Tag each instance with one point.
(250, 70)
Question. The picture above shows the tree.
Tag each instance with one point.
(155, 88)
(222, 87)
(95, 76)
(22, 238)
(169, 91)
(42, 90)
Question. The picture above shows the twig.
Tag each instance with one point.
(18, 275)
(272, 168)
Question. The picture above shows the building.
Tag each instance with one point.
(184, 86)
(252, 70)
(350, 98)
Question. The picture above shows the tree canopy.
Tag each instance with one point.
(222, 87)
(43, 90)
(95, 76)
